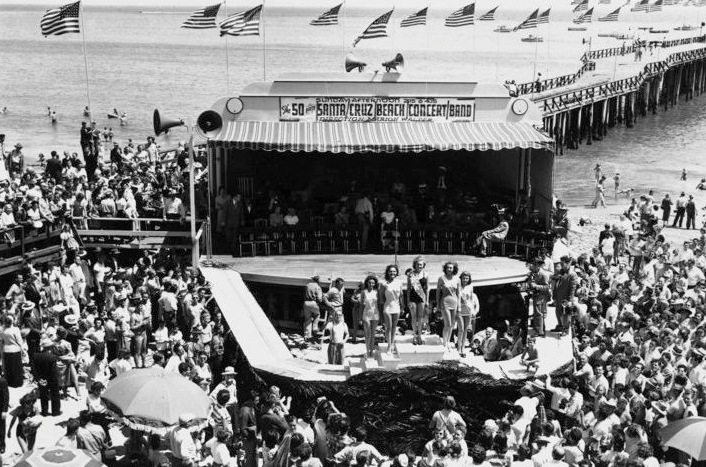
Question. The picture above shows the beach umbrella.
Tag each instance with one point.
(58, 457)
(687, 435)
(156, 397)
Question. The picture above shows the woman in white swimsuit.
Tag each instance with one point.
(390, 302)
(467, 312)
(418, 297)
(369, 304)
(447, 298)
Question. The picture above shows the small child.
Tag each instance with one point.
(530, 357)
(475, 348)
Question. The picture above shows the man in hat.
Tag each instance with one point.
(228, 384)
(182, 442)
(564, 283)
(46, 375)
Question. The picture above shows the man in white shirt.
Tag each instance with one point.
(694, 274)
(219, 449)
(365, 214)
(182, 443)
(228, 384)
(79, 278)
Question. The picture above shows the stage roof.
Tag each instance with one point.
(360, 137)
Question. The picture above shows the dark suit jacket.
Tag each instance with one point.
(234, 215)
(4, 395)
(45, 367)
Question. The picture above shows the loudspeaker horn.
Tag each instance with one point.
(398, 61)
(352, 63)
(163, 124)
(209, 122)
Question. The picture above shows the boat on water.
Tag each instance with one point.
(608, 34)
(645, 28)
(623, 37)
(686, 28)
(659, 31)
(532, 38)
(502, 28)
(577, 28)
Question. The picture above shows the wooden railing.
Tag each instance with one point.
(139, 233)
(588, 59)
(22, 243)
(577, 97)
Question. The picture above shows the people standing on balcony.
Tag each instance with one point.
(418, 298)
(448, 289)
(390, 304)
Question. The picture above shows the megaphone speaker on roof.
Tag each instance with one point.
(163, 124)
(352, 63)
(398, 61)
(209, 123)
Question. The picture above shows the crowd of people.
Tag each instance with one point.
(633, 306)
(125, 181)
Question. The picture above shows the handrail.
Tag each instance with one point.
(577, 96)
(134, 219)
(589, 57)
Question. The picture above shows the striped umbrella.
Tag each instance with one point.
(58, 457)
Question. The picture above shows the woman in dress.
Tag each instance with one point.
(390, 302)
(369, 305)
(418, 297)
(447, 298)
(468, 311)
(12, 353)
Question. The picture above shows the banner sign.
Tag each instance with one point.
(376, 109)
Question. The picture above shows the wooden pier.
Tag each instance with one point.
(612, 88)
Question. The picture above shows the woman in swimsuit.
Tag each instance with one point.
(418, 297)
(447, 298)
(468, 311)
(390, 302)
(369, 305)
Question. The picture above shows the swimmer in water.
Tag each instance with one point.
(123, 119)
(4, 110)
(683, 175)
(52, 114)
(86, 112)
(702, 184)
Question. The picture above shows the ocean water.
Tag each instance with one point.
(139, 61)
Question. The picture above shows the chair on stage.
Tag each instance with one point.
(247, 240)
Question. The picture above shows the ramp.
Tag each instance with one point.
(254, 332)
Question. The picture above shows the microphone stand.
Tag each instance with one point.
(397, 240)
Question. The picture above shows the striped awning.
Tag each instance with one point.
(357, 137)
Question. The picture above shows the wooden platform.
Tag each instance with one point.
(296, 270)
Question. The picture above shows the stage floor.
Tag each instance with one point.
(296, 270)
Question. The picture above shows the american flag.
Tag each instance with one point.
(245, 23)
(328, 18)
(583, 6)
(417, 19)
(584, 18)
(656, 6)
(461, 17)
(62, 20)
(204, 18)
(530, 22)
(612, 16)
(489, 16)
(544, 17)
(642, 6)
(377, 28)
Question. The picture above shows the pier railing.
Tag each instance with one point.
(577, 97)
(22, 244)
(588, 60)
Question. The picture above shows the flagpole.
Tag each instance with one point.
(343, 30)
(264, 43)
(225, 8)
(85, 59)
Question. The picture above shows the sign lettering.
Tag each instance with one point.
(376, 109)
